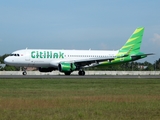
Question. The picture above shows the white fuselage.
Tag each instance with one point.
(51, 58)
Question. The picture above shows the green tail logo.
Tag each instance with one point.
(133, 44)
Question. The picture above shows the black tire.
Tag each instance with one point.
(67, 73)
(24, 73)
(81, 72)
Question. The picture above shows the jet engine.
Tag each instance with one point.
(66, 67)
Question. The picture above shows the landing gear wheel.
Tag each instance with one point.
(67, 73)
(24, 73)
(81, 72)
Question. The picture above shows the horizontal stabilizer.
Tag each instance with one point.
(150, 54)
(143, 54)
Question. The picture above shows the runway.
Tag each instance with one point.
(76, 76)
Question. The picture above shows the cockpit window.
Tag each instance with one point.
(14, 55)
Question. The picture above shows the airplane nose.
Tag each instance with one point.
(7, 60)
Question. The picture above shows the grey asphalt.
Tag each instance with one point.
(76, 76)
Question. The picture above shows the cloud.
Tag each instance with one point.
(156, 38)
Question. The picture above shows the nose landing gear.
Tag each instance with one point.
(24, 71)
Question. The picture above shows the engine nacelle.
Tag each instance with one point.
(50, 69)
(66, 67)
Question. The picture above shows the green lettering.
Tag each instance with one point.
(37, 55)
(55, 55)
(61, 55)
(33, 54)
(44, 54)
(49, 54)
(41, 54)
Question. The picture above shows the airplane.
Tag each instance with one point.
(67, 61)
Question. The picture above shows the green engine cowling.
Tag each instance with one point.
(66, 67)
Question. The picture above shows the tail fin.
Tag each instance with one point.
(133, 44)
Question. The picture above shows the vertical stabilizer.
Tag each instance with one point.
(133, 44)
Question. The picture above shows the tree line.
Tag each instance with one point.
(130, 66)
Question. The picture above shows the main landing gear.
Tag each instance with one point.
(67, 73)
(81, 72)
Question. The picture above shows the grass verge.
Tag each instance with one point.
(79, 99)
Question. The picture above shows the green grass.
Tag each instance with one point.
(80, 99)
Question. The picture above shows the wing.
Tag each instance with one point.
(91, 61)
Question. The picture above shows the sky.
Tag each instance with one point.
(78, 24)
